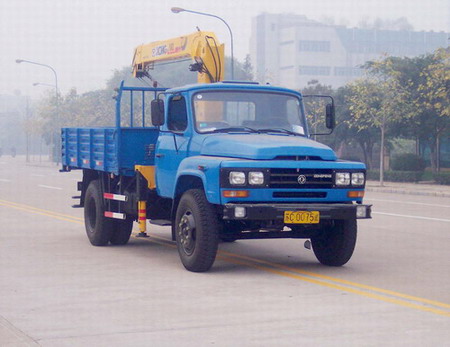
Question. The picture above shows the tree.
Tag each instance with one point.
(422, 94)
(434, 100)
(346, 131)
(375, 101)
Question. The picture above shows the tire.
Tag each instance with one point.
(196, 231)
(228, 238)
(98, 227)
(121, 232)
(334, 246)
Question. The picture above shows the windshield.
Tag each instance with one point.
(222, 111)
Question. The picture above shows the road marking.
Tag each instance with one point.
(380, 294)
(327, 278)
(37, 175)
(338, 280)
(285, 271)
(6, 328)
(4, 180)
(409, 216)
(49, 187)
(42, 212)
(408, 202)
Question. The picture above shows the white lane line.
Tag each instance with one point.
(49, 187)
(4, 180)
(408, 202)
(409, 216)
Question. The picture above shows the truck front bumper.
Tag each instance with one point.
(260, 212)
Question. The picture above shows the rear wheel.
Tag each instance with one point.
(121, 231)
(334, 245)
(196, 231)
(98, 227)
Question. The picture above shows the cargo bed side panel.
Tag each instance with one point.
(99, 148)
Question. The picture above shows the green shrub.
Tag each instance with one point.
(396, 176)
(442, 178)
(407, 162)
(373, 175)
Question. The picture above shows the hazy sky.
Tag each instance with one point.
(85, 40)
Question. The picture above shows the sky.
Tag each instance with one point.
(86, 40)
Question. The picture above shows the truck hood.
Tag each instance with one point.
(263, 146)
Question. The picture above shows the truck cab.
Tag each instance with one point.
(229, 161)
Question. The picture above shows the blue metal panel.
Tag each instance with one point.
(208, 170)
(137, 148)
(97, 148)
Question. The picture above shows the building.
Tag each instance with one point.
(290, 50)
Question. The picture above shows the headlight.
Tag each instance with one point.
(237, 178)
(342, 179)
(256, 177)
(357, 178)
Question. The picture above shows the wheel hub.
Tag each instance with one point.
(186, 232)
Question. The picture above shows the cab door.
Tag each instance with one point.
(172, 146)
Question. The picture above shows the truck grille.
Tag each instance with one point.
(301, 178)
(299, 195)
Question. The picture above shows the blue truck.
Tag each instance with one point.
(217, 162)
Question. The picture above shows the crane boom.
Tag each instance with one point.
(202, 47)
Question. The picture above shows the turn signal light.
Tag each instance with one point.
(235, 193)
(355, 194)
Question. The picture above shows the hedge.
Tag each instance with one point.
(409, 176)
(407, 162)
(442, 178)
(396, 176)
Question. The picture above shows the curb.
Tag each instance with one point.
(407, 192)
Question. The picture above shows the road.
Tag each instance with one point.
(58, 290)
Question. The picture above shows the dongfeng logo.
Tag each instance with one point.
(301, 179)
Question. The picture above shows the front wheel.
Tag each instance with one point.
(334, 245)
(196, 231)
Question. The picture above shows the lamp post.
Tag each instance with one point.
(179, 9)
(19, 61)
(43, 84)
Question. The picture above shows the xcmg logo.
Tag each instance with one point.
(171, 48)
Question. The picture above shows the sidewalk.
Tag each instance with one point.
(425, 189)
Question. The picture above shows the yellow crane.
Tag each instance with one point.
(205, 50)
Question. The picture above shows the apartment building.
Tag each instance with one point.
(290, 50)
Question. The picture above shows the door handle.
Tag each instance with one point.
(159, 155)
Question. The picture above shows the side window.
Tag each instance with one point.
(177, 119)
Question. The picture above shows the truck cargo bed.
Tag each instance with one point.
(115, 150)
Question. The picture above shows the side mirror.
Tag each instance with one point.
(330, 120)
(157, 109)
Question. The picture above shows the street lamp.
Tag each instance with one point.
(43, 84)
(19, 61)
(179, 9)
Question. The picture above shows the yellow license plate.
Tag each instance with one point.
(301, 217)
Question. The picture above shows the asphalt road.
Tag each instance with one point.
(58, 290)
